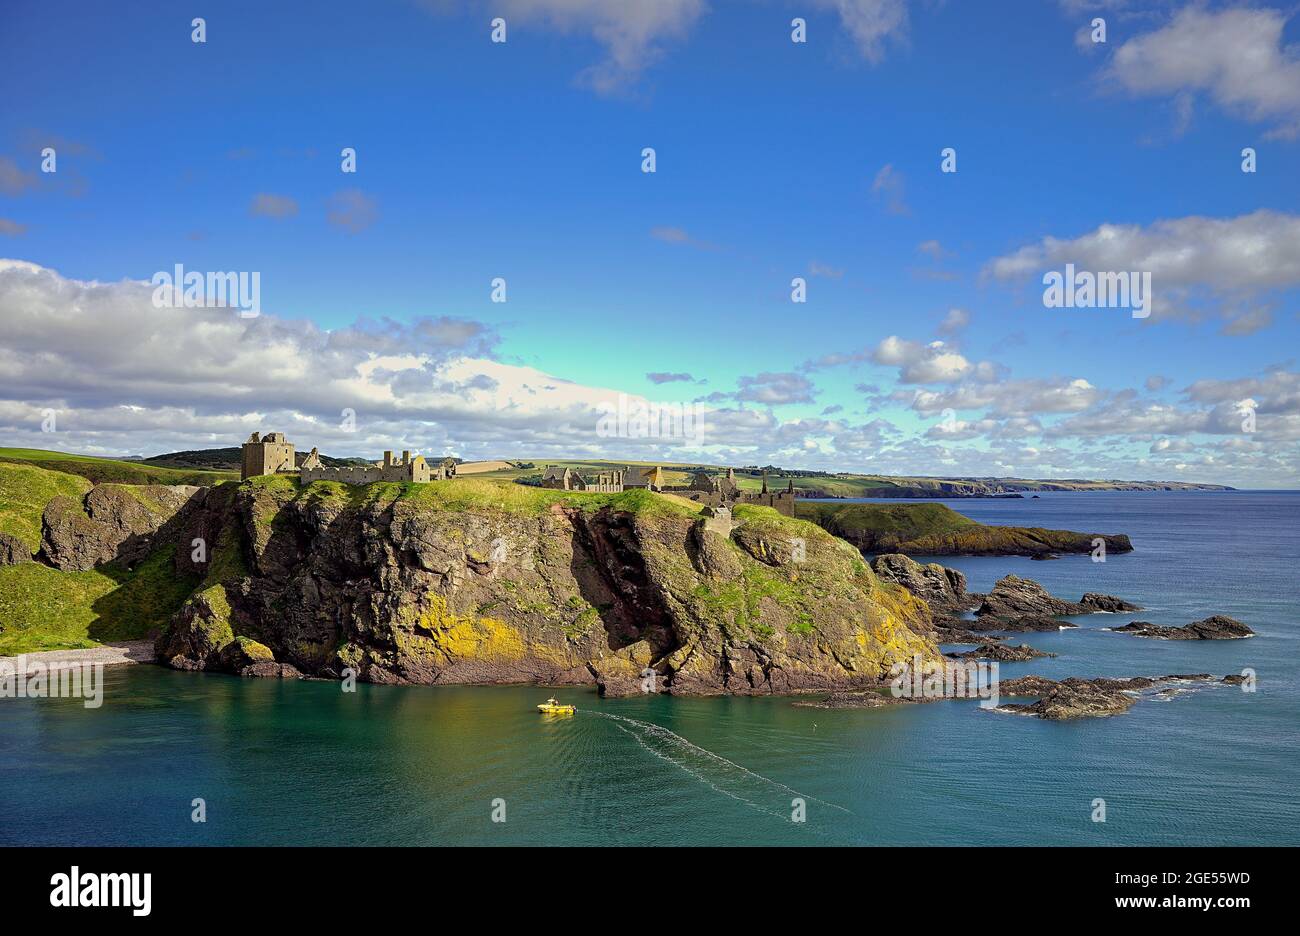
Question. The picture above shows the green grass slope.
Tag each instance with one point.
(100, 470)
(24, 492)
(45, 609)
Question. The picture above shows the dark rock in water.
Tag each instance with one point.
(243, 652)
(1023, 604)
(1083, 698)
(953, 631)
(1218, 627)
(1043, 557)
(1106, 603)
(857, 700)
(943, 589)
(13, 550)
(1033, 622)
(1013, 597)
(1001, 653)
(1235, 679)
(1057, 700)
(269, 670)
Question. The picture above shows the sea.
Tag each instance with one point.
(202, 759)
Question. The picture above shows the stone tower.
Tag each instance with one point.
(266, 455)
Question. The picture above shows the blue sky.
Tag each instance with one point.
(774, 160)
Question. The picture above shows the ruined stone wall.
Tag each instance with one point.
(367, 475)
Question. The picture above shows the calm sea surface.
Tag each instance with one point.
(303, 763)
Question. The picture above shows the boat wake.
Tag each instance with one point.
(726, 777)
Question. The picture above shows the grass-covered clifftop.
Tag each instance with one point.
(938, 530)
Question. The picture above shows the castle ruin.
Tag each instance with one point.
(265, 455)
(566, 479)
(274, 454)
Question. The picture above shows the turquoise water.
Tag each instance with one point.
(304, 763)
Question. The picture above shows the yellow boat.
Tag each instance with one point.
(552, 707)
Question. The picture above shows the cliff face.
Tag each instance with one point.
(477, 582)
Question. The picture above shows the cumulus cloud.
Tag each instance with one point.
(1012, 397)
(817, 268)
(663, 377)
(125, 377)
(14, 180)
(632, 33)
(924, 363)
(873, 25)
(1234, 55)
(955, 321)
(352, 210)
(889, 187)
(1191, 260)
(267, 205)
(676, 235)
(775, 389)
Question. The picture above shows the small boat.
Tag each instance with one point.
(552, 707)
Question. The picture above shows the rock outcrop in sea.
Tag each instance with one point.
(1217, 627)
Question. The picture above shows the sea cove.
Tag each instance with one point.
(301, 762)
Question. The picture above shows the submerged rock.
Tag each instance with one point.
(1218, 627)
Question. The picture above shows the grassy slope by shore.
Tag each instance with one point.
(45, 609)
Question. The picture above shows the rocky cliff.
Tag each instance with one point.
(481, 582)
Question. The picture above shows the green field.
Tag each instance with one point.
(99, 470)
(45, 609)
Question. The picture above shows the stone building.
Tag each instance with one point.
(780, 501)
(264, 455)
(716, 484)
(566, 479)
(408, 469)
(274, 454)
(722, 491)
(652, 479)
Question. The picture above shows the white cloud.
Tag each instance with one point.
(1190, 259)
(872, 24)
(1234, 55)
(1006, 397)
(632, 32)
(918, 363)
(956, 320)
